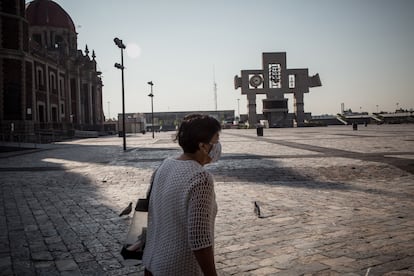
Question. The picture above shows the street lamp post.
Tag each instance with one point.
(118, 42)
(152, 108)
(109, 111)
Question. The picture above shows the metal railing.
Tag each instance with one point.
(41, 133)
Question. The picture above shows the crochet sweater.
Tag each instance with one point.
(182, 212)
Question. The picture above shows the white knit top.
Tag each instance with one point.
(182, 212)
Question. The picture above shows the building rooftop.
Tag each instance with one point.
(48, 13)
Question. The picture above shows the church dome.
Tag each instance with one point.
(48, 13)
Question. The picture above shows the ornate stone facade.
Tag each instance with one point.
(45, 81)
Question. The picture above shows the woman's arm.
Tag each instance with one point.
(205, 258)
(201, 217)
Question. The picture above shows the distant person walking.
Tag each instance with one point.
(182, 207)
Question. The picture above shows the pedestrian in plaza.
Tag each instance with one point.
(182, 206)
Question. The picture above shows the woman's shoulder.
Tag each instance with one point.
(190, 168)
(182, 163)
(202, 177)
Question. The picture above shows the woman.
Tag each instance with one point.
(182, 207)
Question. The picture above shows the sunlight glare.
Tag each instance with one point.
(133, 50)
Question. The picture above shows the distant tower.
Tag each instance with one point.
(215, 89)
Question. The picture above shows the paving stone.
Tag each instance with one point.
(243, 268)
(91, 268)
(103, 255)
(313, 267)
(265, 271)
(109, 264)
(65, 265)
(59, 255)
(328, 273)
(53, 240)
(399, 273)
(97, 249)
(127, 270)
(83, 257)
(59, 246)
(395, 265)
(75, 247)
(42, 256)
(49, 271)
(5, 262)
(364, 264)
(44, 265)
(71, 273)
(32, 227)
(23, 268)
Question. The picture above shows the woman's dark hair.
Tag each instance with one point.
(195, 129)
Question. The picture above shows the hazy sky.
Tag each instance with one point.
(363, 50)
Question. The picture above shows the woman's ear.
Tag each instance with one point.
(202, 147)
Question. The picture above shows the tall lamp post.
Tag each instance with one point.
(152, 108)
(109, 110)
(118, 42)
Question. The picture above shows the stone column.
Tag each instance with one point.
(35, 116)
(59, 91)
(68, 88)
(90, 107)
(1, 87)
(251, 109)
(299, 108)
(79, 118)
(48, 107)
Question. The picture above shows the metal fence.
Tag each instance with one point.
(41, 133)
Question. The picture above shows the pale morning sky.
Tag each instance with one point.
(363, 50)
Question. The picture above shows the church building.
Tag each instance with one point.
(46, 83)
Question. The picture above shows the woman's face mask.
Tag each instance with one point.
(215, 152)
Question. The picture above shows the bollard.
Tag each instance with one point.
(355, 126)
(259, 131)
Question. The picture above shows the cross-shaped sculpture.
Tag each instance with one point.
(274, 80)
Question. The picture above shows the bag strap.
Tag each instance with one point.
(151, 183)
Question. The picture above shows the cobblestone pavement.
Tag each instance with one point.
(333, 202)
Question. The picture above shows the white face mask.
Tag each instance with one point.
(215, 152)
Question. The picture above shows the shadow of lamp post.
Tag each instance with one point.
(118, 42)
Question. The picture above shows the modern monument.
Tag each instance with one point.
(275, 80)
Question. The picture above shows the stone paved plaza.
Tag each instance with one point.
(334, 202)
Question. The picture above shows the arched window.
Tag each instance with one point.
(61, 87)
(52, 82)
(37, 38)
(39, 78)
(58, 41)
